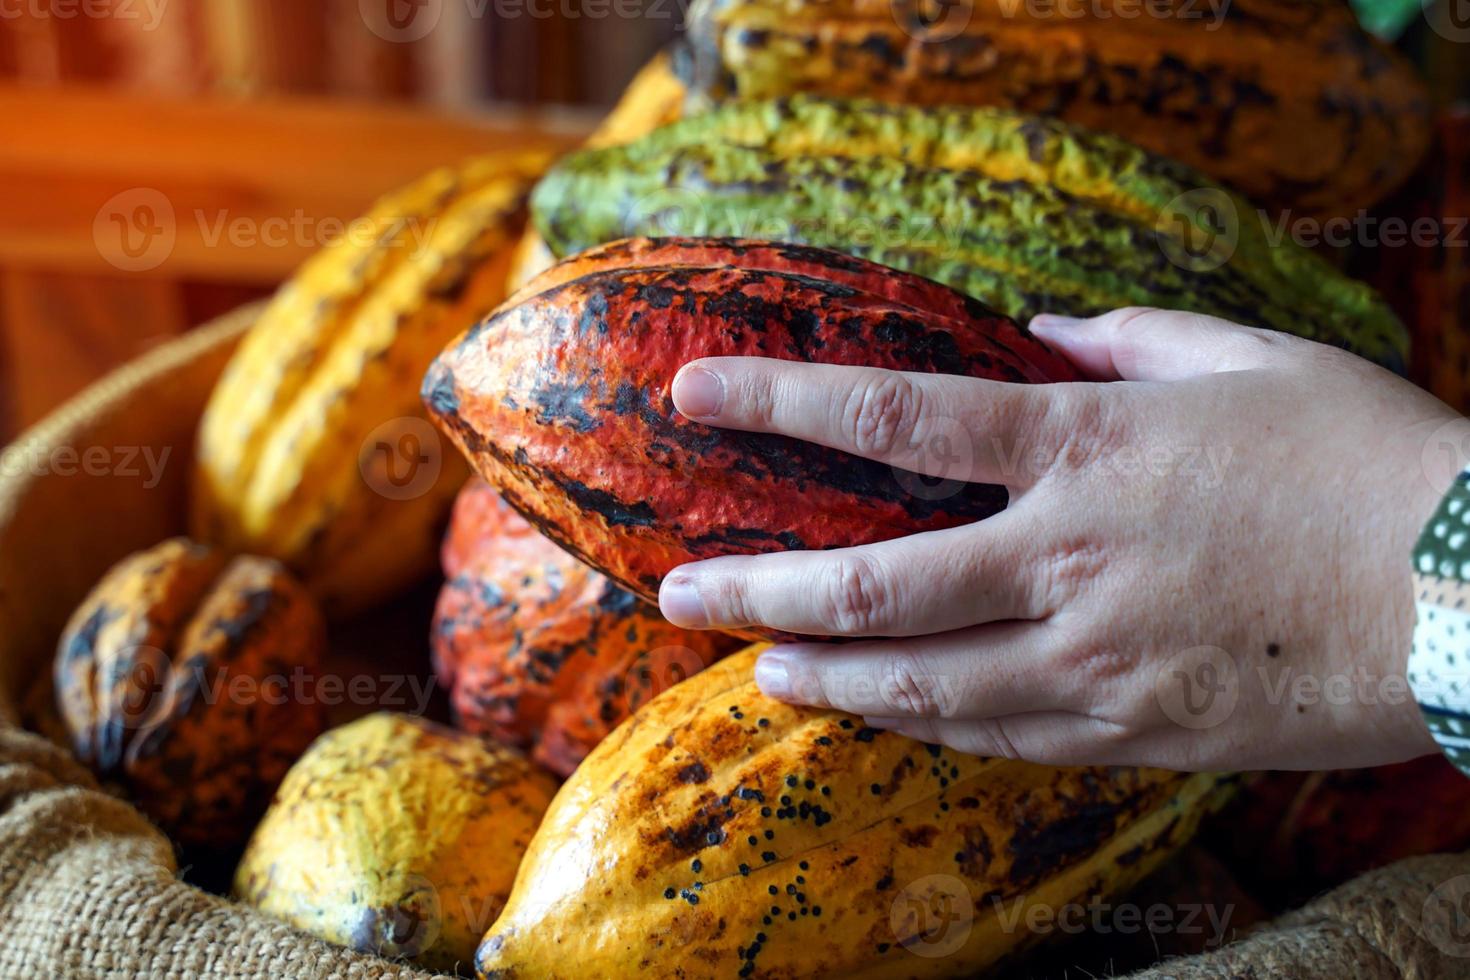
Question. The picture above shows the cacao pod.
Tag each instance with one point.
(537, 649)
(718, 833)
(655, 96)
(561, 401)
(396, 836)
(1289, 101)
(313, 448)
(1028, 215)
(1294, 835)
(174, 677)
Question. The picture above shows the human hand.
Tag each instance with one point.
(1205, 564)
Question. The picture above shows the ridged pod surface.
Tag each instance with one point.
(718, 833)
(1028, 215)
(561, 401)
(174, 677)
(540, 651)
(1290, 101)
(396, 836)
(313, 448)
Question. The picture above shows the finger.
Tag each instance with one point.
(968, 674)
(1052, 738)
(1142, 344)
(944, 426)
(925, 583)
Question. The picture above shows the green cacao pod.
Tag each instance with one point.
(1026, 214)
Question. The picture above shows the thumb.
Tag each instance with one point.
(1142, 344)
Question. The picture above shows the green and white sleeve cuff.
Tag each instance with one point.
(1439, 664)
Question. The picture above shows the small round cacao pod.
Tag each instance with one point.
(185, 677)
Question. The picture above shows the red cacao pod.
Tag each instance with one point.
(561, 401)
(540, 651)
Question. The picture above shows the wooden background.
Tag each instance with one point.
(218, 119)
(235, 112)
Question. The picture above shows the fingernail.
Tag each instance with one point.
(679, 601)
(698, 393)
(1053, 321)
(773, 677)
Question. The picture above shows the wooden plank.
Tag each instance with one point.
(218, 190)
(61, 332)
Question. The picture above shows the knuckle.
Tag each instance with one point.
(1069, 569)
(1253, 347)
(996, 741)
(730, 602)
(1086, 428)
(1136, 317)
(910, 688)
(1093, 665)
(818, 687)
(880, 414)
(758, 394)
(859, 599)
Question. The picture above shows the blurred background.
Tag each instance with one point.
(165, 160)
(260, 124)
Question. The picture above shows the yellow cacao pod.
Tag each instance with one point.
(717, 833)
(654, 97)
(396, 836)
(313, 448)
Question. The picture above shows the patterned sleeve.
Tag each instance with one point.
(1439, 665)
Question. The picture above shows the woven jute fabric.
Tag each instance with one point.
(89, 888)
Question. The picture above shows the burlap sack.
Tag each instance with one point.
(88, 888)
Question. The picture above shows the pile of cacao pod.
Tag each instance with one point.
(844, 181)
